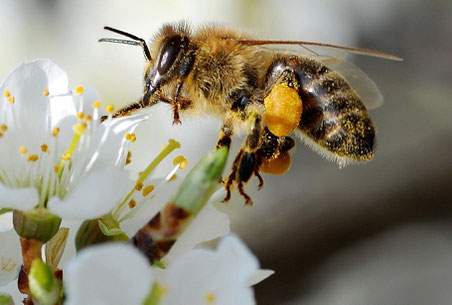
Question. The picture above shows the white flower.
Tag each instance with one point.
(118, 274)
(108, 274)
(204, 276)
(10, 256)
(54, 152)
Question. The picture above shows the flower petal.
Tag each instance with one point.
(10, 256)
(108, 274)
(208, 224)
(259, 276)
(18, 198)
(94, 196)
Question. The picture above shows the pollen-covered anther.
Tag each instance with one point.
(88, 118)
(3, 127)
(11, 99)
(80, 115)
(132, 203)
(7, 93)
(46, 92)
(133, 138)
(127, 136)
(148, 189)
(110, 108)
(210, 298)
(32, 158)
(96, 104)
(44, 148)
(79, 90)
(181, 161)
(22, 150)
(139, 186)
(55, 131)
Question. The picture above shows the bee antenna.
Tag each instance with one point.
(137, 41)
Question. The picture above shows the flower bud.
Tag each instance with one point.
(44, 287)
(38, 224)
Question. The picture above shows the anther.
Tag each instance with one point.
(88, 118)
(55, 131)
(139, 186)
(32, 158)
(46, 92)
(80, 115)
(132, 203)
(11, 99)
(109, 108)
(22, 149)
(96, 104)
(210, 298)
(79, 90)
(44, 148)
(7, 93)
(148, 189)
(3, 128)
(181, 161)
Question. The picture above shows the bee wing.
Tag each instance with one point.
(335, 58)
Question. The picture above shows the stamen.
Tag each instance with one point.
(96, 104)
(80, 115)
(79, 90)
(133, 138)
(44, 148)
(46, 92)
(55, 131)
(210, 298)
(88, 118)
(128, 160)
(172, 145)
(7, 93)
(78, 129)
(132, 203)
(110, 108)
(139, 186)
(127, 136)
(22, 150)
(148, 189)
(3, 128)
(32, 158)
(11, 99)
(181, 161)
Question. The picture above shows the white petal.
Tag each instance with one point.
(96, 195)
(222, 274)
(10, 256)
(208, 224)
(6, 222)
(108, 274)
(259, 276)
(18, 198)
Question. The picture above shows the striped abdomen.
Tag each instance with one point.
(333, 116)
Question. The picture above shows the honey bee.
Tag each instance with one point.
(270, 93)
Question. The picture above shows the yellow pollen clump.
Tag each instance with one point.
(277, 166)
(46, 92)
(66, 156)
(11, 99)
(181, 161)
(132, 203)
(109, 108)
(148, 189)
(88, 118)
(32, 158)
(96, 104)
(7, 93)
(22, 149)
(283, 108)
(79, 128)
(79, 90)
(44, 148)
(80, 115)
(3, 127)
(139, 186)
(55, 131)
(161, 290)
(210, 298)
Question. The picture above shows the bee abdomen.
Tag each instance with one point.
(334, 116)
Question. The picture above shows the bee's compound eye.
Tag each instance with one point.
(170, 50)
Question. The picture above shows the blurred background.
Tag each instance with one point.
(379, 233)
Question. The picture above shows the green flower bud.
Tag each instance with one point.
(38, 224)
(201, 182)
(99, 230)
(44, 287)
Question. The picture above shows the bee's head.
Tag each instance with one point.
(168, 49)
(165, 56)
